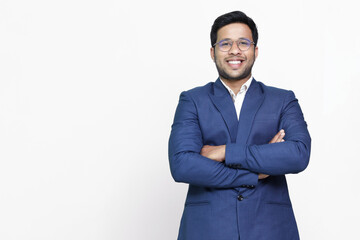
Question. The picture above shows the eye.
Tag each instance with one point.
(225, 43)
(243, 43)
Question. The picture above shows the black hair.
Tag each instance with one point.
(233, 17)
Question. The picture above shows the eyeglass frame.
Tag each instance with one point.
(237, 43)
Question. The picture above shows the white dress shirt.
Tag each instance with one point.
(239, 98)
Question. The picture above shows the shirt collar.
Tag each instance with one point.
(243, 88)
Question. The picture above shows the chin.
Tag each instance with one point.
(235, 77)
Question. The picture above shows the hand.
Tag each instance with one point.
(216, 153)
(279, 137)
(263, 176)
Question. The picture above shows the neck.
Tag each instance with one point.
(235, 85)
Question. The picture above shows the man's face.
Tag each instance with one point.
(235, 64)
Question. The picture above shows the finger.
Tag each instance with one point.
(277, 137)
(273, 140)
(262, 176)
(205, 147)
(281, 137)
(282, 140)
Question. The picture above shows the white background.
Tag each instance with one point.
(88, 91)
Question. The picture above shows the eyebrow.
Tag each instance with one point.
(242, 38)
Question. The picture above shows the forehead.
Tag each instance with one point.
(234, 31)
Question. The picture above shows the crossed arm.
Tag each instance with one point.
(217, 153)
(192, 162)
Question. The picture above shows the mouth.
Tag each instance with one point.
(235, 63)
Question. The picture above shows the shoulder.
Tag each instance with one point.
(201, 89)
(198, 92)
(271, 89)
(275, 91)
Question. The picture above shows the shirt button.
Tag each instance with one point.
(240, 198)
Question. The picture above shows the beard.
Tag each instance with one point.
(242, 75)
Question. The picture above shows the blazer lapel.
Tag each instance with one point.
(225, 105)
(252, 102)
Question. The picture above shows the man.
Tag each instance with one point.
(233, 141)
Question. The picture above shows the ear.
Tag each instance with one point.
(256, 51)
(212, 53)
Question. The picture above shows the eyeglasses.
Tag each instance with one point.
(226, 44)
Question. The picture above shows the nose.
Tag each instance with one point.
(235, 50)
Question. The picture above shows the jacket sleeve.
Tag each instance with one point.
(291, 156)
(186, 163)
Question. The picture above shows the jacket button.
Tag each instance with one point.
(240, 198)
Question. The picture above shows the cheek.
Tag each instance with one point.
(219, 56)
(218, 62)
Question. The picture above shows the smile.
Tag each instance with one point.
(235, 62)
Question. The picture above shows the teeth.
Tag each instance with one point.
(234, 62)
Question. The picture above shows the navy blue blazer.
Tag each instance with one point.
(226, 201)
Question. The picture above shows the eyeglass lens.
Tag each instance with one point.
(226, 45)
